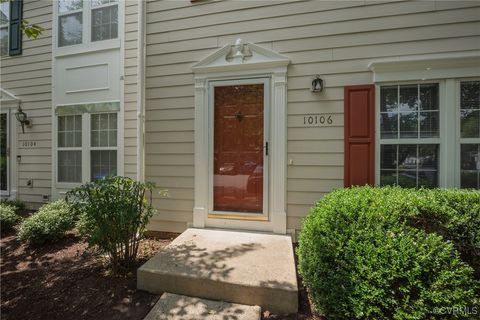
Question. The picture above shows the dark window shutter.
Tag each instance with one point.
(359, 135)
(15, 29)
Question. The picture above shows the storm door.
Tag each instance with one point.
(240, 147)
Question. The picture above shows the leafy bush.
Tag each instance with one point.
(114, 213)
(18, 204)
(383, 253)
(49, 224)
(8, 217)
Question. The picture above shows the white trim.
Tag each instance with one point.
(259, 63)
(141, 91)
(426, 67)
(6, 193)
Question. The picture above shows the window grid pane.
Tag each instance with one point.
(69, 131)
(105, 23)
(470, 165)
(103, 130)
(103, 163)
(470, 109)
(409, 111)
(69, 166)
(69, 5)
(70, 29)
(409, 165)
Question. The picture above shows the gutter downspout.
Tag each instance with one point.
(140, 91)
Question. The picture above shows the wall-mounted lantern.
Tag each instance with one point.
(22, 118)
(317, 84)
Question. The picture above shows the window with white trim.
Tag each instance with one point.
(410, 135)
(94, 136)
(97, 18)
(469, 134)
(4, 23)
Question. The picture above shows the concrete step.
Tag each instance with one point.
(238, 267)
(176, 307)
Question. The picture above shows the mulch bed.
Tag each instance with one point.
(66, 280)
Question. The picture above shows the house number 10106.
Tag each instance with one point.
(317, 120)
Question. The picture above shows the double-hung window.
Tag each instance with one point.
(69, 139)
(103, 146)
(410, 135)
(4, 23)
(469, 134)
(87, 147)
(86, 21)
(425, 138)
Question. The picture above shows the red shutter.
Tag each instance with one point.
(359, 135)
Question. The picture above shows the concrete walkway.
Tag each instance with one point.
(176, 307)
(238, 267)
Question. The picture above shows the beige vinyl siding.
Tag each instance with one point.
(130, 88)
(29, 77)
(337, 39)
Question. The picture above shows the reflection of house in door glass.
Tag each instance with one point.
(238, 148)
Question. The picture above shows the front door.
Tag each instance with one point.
(240, 148)
(4, 153)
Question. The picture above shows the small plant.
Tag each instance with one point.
(114, 213)
(49, 224)
(18, 204)
(391, 253)
(8, 217)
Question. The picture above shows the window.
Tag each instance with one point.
(470, 134)
(72, 14)
(69, 148)
(104, 20)
(89, 158)
(409, 135)
(4, 22)
(103, 145)
(70, 22)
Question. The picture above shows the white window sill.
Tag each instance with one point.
(87, 48)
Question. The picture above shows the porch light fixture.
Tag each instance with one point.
(22, 118)
(317, 84)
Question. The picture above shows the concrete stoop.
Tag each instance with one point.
(238, 267)
(176, 307)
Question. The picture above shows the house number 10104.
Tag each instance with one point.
(316, 119)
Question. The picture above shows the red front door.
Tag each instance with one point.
(238, 148)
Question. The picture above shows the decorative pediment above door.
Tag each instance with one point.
(240, 56)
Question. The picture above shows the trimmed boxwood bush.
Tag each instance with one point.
(49, 224)
(8, 217)
(391, 253)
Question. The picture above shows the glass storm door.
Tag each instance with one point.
(4, 156)
(239, 148)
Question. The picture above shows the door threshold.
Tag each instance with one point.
(236, 217)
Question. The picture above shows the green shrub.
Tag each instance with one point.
(114, 212)
(49, 224)
(8, 217)
(372, 253)
(18, 204)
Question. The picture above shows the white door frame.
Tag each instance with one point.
(242, 62)
(266, 135)
(6, 193)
